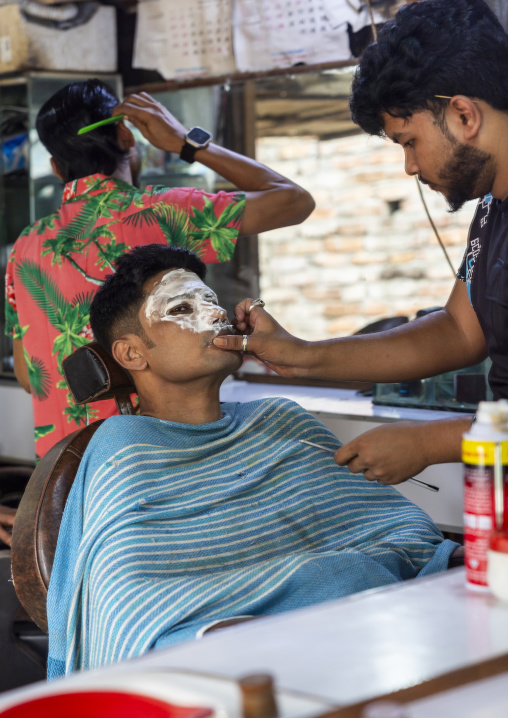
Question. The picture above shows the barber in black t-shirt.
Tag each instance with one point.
(484, 269)
(434, 83)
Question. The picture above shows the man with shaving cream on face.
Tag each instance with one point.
(57, 264)
(194, 512)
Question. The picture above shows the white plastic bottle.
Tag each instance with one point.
(485, 458)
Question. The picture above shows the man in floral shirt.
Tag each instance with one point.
(58, 263)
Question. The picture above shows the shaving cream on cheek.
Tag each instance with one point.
(177, 287)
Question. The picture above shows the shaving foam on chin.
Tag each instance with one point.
(179, 286)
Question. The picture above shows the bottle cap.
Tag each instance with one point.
(493, 412)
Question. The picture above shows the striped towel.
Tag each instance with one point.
(169, 527)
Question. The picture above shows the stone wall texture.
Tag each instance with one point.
(368, 250)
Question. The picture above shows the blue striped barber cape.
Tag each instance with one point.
(169, 527)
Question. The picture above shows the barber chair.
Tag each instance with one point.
(92, 375)
(23, 646)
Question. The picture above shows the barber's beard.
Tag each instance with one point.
(468, 174)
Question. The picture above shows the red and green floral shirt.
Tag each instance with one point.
(58, 263)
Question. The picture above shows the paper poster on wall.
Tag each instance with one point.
(283, 33)
(184, 38)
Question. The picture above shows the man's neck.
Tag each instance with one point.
(182, 404)
(123, 172)
(497, 131)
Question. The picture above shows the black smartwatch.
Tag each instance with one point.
(195, 139)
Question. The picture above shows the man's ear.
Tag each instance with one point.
(56, 169)
(129, 353)
(125, 137)
(464, 118)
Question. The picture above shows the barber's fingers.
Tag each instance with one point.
(143, 105)
(252, 318)
(142, 100)
(134, 107)
(141, 111)
(229, 341)
(357, 466)
(346, 454)
(151, 117)
(141, 117)
(244, 320)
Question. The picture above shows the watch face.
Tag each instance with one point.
(198, 136)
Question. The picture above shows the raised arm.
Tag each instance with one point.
(442, 341)
(439, 342)
(272, 200)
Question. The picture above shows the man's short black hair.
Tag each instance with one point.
(431, 47)
(68, 110)
(115, 308)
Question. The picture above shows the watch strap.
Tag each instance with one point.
(188, 152)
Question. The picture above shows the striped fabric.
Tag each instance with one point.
(169, 527)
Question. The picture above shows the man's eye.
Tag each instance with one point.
(179, 309)
(409, 143)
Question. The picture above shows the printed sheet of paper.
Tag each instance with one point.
(184, 38)
(282, 33)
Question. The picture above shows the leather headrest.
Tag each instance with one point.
(92, 375)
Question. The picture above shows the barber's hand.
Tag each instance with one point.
(389, 454)
(267, 340)
(154, 121)
(6, 520)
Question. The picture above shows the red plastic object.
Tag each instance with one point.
(499, 541)
(102, 704)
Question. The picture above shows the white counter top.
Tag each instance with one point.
(368, 645)
(344, 402)
(342, 651)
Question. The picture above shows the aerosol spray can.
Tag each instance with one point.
(485, 457)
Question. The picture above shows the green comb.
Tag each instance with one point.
(107, 121)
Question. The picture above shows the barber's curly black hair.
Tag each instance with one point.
(115, 308)
(431, 47)
(68, 110)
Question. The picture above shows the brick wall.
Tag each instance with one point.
(367, 251)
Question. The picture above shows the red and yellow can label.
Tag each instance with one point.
(479, 520)
(482, 453)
